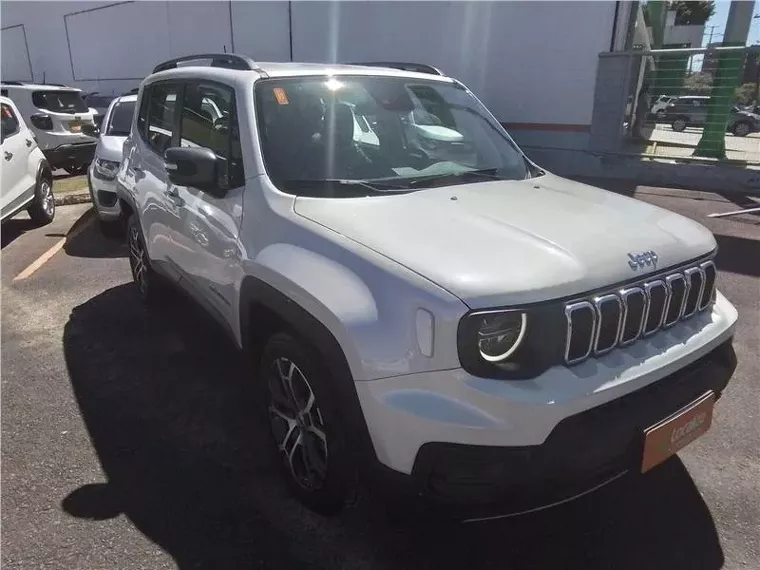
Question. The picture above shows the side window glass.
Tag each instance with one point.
(161, 104)
(9, 121)
(209, 120)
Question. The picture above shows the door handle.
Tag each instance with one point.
(8, 155)
(28, 142)
(172, 192)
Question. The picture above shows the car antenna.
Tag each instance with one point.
(43, 77)
(224, 47)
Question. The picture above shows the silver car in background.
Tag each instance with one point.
(101, 176)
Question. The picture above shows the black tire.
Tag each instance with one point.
(149, 284)
(319, 473)
(679, 125)
(42, 209)
(741, 128)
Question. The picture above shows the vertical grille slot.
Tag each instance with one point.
(676, 285)
(581, 320)
(634, 311)
(708, 293)
(619, 318)
(695, 281)
(657, 300)
(609, 313)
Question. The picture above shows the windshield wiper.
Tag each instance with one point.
(489, 173)
(329, 185)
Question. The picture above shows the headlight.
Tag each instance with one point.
(106, 169)
(500, 334)
(512, 344)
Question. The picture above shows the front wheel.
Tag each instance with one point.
(147, 281)
(679, 125)
(741, 129)
(42, 209)
(305, 425)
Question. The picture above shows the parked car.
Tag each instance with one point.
(101, 175)
(453, 331)
(98, 104)
(659, 109)
(56, 115)
(27, 181)
(691, 111)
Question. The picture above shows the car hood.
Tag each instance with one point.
(110, 147)
(508, 242)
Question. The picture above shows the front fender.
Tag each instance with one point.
(368, 304)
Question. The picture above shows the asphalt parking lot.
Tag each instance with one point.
(129, 440)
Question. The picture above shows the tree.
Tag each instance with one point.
(699, 83)
(745, 94)
(692, 13)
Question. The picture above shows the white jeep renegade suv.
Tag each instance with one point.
(463, 327)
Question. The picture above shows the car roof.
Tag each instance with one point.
(39, 87)
(125, 98)
(287, 69)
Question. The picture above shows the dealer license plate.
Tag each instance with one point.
(672, 434)
(75, 127)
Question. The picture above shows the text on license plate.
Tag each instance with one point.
(674, 433)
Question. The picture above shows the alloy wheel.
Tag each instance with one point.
(137, 260)
(297, 424)
(47, 200)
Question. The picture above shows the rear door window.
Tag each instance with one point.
(10, 124)
(60, 101)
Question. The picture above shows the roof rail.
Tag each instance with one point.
(12, 82)
(404, 66)
(226, 60)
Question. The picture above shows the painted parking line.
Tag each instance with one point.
(45, 257)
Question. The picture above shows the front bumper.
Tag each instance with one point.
(68, 154)
(103, 193)
(514, 446)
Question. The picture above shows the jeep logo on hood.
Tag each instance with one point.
(640, 260)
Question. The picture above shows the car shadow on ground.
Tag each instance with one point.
(85, 239)
(15, 228)
(172, 415)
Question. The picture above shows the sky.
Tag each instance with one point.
(719, 19)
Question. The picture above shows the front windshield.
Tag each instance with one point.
(329, 135)
(121, 119)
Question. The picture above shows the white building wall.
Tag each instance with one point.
(530, 62)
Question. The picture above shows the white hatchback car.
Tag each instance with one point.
(27, 182)
(472, 330)
(56, 115)
(101, 174)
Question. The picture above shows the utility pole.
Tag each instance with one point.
(712, 30)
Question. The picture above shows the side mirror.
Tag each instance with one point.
(196, 167)
(91, 130)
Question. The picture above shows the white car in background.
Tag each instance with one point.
(27, 182)
(101, 175)
(56, 115)
(660, 107)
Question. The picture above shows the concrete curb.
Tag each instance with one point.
(76, 198)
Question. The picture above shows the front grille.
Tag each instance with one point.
(619, 318)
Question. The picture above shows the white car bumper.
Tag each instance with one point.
(403, 413)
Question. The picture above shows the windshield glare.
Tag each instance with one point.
(121, 119)
(387, 133)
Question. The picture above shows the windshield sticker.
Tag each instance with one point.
(279, 94)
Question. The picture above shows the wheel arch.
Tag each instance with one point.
(264, 310)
